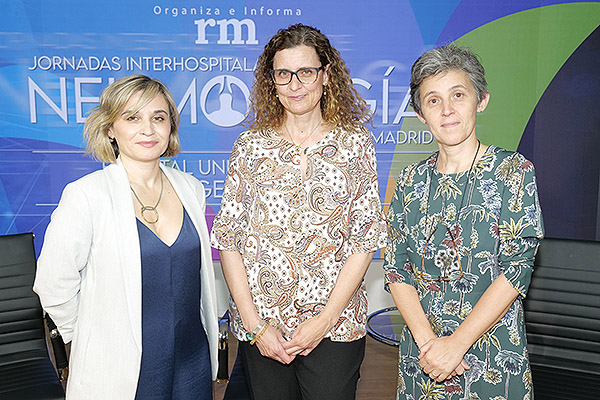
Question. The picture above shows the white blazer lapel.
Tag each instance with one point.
(127, 240)
(194, 202)
(189, 198)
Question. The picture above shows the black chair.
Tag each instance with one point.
(562, 313)
(26, 371)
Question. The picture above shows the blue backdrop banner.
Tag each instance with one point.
(56, 57)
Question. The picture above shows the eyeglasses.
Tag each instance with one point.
(305, 75)
(452, 276)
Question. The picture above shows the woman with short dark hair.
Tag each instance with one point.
(464, 227)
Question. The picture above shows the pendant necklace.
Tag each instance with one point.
(431, 220)
(305, 139)
(462, 199)
(151, 209)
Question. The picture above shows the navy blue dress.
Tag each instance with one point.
(175, 354)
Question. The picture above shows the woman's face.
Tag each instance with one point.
(299, 98)
(142, 136)
(449, 107)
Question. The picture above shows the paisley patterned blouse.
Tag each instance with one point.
(467, 229)
(294, 235)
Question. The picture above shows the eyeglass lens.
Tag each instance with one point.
(306, 75)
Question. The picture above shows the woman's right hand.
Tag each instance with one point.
(270, 344)
(440, 359)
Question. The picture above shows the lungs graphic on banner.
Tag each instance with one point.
(54, 63)
(225, 115)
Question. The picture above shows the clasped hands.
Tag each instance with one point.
(440, 358)
(305, 338)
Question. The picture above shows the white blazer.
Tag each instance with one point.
(89, 280)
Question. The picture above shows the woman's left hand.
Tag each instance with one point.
(309, 333)
(441, 357)
(307, 336)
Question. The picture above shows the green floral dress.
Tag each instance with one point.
(467, 229)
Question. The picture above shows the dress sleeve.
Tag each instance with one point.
(232, 221)
(64, 256)
(396, 266)
(520, 226)
(368, 230)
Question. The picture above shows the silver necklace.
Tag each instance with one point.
(305, 139)
(152, 209)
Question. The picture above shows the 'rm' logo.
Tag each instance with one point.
(203, 24)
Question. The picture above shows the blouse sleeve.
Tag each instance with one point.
(396, 266)
(231, 222)
(64, 255)
(368, 230)
(520, 226)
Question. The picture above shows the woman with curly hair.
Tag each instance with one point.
(299, 223)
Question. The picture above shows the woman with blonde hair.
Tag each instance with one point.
(299, 223)
(125, 270)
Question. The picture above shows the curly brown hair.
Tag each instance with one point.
(341, 105)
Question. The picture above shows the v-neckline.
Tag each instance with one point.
(158, 237)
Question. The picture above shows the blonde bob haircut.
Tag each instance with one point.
(341, 105)
(112, 104)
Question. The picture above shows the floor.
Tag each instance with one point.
(378, 372)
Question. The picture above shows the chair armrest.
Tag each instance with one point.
(223, 371)
(58, 347)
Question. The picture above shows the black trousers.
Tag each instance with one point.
(329, 372)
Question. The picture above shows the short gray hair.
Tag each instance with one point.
(443, 59)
